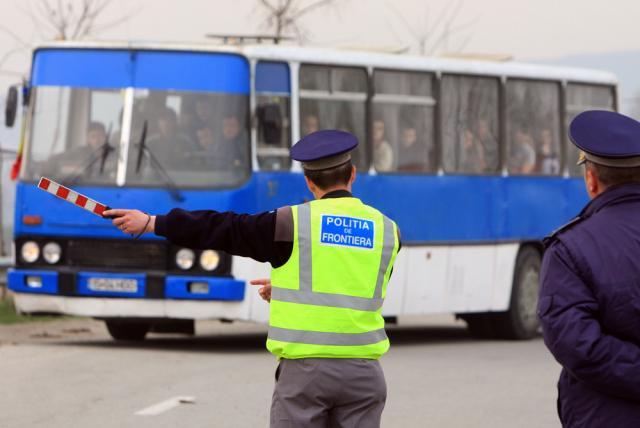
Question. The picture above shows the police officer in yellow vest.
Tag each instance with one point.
(332, 259)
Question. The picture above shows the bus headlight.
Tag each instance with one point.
(30, 251)
(51, 253)
(185, 258)
(209, 260)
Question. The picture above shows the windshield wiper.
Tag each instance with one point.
(141, 146)
(155, 164)
(100, 153)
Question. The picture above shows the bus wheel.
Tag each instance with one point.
(521, 320)
(128, 330)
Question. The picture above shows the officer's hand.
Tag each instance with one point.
(133, 222)
(265, 290)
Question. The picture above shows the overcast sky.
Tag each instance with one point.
(525, 29)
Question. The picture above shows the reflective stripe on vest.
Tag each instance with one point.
(321, 338)
(308, 297)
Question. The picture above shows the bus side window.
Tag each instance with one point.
(581, 97)
(403, 122)
(273, 106)
(470, 124)
(335, 98)
(533, 127)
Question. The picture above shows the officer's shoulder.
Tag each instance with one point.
(284, 224)
(553, 236)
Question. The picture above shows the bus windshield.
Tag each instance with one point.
(196, 139)
(75, 134)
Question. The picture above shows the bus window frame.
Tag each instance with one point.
(500, 170)
(562, 154)
(253, 105)
(433, 101)
(565, 123)
(312, 94)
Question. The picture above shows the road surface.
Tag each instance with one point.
(71, 374)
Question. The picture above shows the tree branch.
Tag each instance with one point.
(305, 10)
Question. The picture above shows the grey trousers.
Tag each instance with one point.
(328, 392)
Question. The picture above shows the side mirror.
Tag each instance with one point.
(11, 107)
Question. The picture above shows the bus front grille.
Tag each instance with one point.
(117, 254)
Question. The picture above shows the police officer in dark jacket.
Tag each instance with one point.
(590, 281)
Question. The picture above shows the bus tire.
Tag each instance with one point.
(521, 321)
(130, 331)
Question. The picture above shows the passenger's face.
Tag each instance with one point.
(203, 110)
(378, 131)
(468, 139)
(409, 136)
(482, 128)
(167, 126)
(205, 137)
(95, 138)
(523, 138)
(230, 128)
(311, 124)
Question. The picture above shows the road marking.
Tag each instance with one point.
(163, 406)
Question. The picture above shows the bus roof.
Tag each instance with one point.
(346, 57)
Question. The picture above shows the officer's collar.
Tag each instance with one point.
(612, 196)
(337, 194)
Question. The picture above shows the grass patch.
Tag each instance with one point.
(8, 314)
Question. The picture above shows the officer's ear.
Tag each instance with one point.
(353, 174)
(312, 187)
(591, 181)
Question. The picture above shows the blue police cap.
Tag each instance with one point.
(606, 138)
(324, 149)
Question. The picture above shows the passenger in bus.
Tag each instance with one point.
(205, 139)
(187, 123)
(170, 144)
(151, 109)
(549, 161)
(412, 154)
(382, 151)
(310, 124)
(86, 160)
(523, 155)
(472, 159)
(204, 113)
(233, 142)
(225, 151)
(489, 143)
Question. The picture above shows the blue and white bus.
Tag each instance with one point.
(469, 157)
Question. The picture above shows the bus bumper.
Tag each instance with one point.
(126, 286)
(108, 307)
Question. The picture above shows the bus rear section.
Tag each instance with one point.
(149, 129)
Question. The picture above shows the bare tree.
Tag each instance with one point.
(60, 20)
(434, 32)
(70, 19)
(284, 15)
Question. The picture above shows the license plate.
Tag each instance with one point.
(123, 285)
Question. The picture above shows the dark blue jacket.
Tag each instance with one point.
(590, 311)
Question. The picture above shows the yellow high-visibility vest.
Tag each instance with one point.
(326, 301)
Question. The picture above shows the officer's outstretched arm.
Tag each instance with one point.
(133, 222)
(568, 312)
